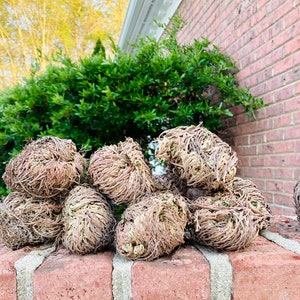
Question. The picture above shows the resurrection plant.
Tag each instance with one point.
(217, 224)
(29, 221)
(121, 172)
(46, 168)
(88, 221)
(197, 156)
(153, 227)
(248, 195)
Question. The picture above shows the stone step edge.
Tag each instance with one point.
(221, 272)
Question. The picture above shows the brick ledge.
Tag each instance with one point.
(268, 269)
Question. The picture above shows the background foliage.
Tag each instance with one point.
(32, 30)
(101, 100)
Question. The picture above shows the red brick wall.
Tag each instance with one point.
(263, 38)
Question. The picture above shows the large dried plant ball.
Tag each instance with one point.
(216, 224)
(88, 220)
(199, 157)
(297, 199)
(46, 168)
(28, 221)
(153, 227)
(248, 195)
(120, 172)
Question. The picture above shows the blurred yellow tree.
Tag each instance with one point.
(33, 30)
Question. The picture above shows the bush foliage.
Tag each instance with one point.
(101, 100)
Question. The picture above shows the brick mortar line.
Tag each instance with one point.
(25, 267)
(278, 239)
(221, 273)
(121, 278)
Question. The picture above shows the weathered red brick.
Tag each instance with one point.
(183, 275)
(282, 210)
(8, 281)
(274, 135)
(286, 227)
(285, 199)
(265, 271)
(66, 276)
(283, 173)
(293, 45)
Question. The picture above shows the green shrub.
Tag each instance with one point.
(100, 100)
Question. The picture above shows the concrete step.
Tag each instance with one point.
(268, 269)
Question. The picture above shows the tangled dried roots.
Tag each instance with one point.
(153, 227)
(247, 195)
(29, 221)
(88, 220)
(297, 199)
(46, 168)
(199, 157)
(221, 227)
(120, 172)
(165, 183)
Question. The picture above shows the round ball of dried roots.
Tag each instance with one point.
(28, 221)
(214, 224)
(200, 158)
(120, 172)
(88, 220)
(297, 199)
(46, 168)
(153, 227)
(248, 195)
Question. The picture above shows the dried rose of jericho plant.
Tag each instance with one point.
(297, 199)
(153, 227)
(29, 221)
(88, 221)
(197, 156)
(248, 195)
(46, 168)
(120, 172)
(215, 223)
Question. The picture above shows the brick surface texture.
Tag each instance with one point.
(64, 276)
(183, 275)
(261, 264)
(8, 280)
(264, 270)
(263, 38)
